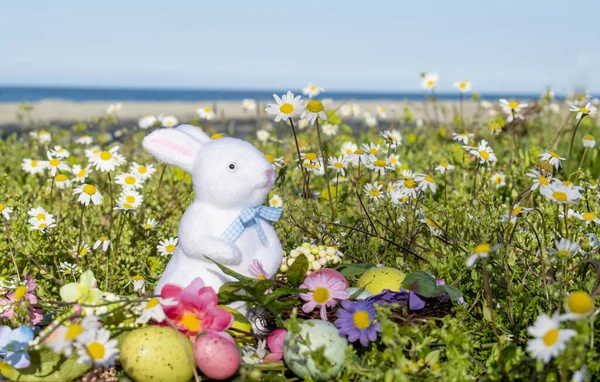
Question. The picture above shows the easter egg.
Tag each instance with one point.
(157, 353)
(361, 296)
(375, 280)
(318, 334)
(217, 355)
(331, 273)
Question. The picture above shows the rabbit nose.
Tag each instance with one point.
(270, 173)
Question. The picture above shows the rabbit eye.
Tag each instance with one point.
(232, 167)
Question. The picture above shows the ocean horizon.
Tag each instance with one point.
(11, 94)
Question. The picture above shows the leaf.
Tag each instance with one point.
(46, 366)
(232, 273)
(509, 352)
(297, 271)
(421, 283)
(354, 269)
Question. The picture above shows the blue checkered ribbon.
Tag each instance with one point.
(248, 217)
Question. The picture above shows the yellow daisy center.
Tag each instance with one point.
(20, 292)
(82, 251)
(40, 216)
(359, 152)
(103, 238)
(130, 199)
(482, 248)
(152, 303)
(550, 337)
(498, 179)
(321, 295)
(315, 106)
(170, 247)
(60, 178)
(580, 303)
(286, 108)
(270, 158)
(444, 164)
(361, 319)
(217, 136)
(105, 155)
(462, 85)
(560, 196)
(543, 181)
(73, 331)
(563, 253)
(588, 216)
(555, 155)
(516, 211)
(373, 150)
(430, 83)
(338, 165)
(261, 277)
(81, 173)
(484, 154)
(513, 104)
(374, 192)
(2, 207)
(96, 350)
(142, 169)
(310, 156)
(43, 225)
(207, 109)
(429, 179)
(190, 322)
(410, 183)
(584, 110)
(89, 189)
(380, 163)
(130, 180)
(54, 162)
(34, 163)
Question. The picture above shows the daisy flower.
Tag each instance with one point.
(426, 181)
(276, 201)
(276, 162)
(128, 181)
(338, 164)
(378, 165)
(312, 90)
(143, 172)
(82, 251)
(372, 149)
(249, 105)
(374, 191)
(96, 347)
(104, 241)
(42, 136)
(565, 249)
(587, 217)
(302, 124)
(512, 215)
(512, 108)
(285, 107)
(324, 292)
(68, 268)
(484, 153)
(481, 251)
(370, 120)
(392, 138)
(463, 86)
(114, 108)
(129, 200)
(152, 310)
(356, 320)
(434, 227)
(252, 355)
(139, 284)
(463, 137)
(408, 186)
(92, 151)
(444, 166)
(314, 109)
(61, 181)
(549, 340)
(80, 173)
(352, 110)
(429, 81)
(329, 129)
(494, 128)
(539, 180)
(588, 141)
(5, 211)
(40, 219)
(381, 113)
(55, 164)
(65, 336)
(32, 166)
(578, 305)
(147, 122)
(59, 152)
(580, 375)
(499, 179)
(168, 121)
(552, 157)
(87, 193)
(583, 111)
(561, 193)
(106, 161)
(398, 197)
(263, 135)
(206, 113)
(150, 224)
(168, 246)
(394, 161)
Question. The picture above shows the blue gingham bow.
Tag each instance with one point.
(248, 217)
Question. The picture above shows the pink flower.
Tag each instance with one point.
(256, 270)
(23, 297)
(275, 343)
(325, 291)
(196, 310)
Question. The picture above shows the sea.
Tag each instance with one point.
(80, 94)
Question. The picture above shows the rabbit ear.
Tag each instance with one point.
(195, 132)
(174, 147)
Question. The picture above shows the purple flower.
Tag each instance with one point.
(357, 321)
(402, 297)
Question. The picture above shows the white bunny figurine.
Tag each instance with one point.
(226, 221)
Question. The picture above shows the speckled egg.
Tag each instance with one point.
(157, 353)
(217, 355)
(361, 296)
(375, 280)
(319, 333)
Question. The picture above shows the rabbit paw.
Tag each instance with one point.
(214, 247)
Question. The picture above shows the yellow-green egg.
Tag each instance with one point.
(375, 280)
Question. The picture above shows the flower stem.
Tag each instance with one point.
(571, 148)
(325, 169)
(12, 254)
(306, 189)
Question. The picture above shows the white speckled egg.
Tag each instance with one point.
(361, 296)
(319, 334)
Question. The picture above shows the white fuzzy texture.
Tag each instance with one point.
(221, 195)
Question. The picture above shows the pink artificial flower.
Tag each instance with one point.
(196, 310)
(23, 295)
(275, 343)
(325, 291)
(256, 270)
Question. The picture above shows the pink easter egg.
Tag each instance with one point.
(217, 355)
(331, 273)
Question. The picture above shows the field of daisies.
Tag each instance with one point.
(412, 250)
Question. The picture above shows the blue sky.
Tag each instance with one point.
(515, 46)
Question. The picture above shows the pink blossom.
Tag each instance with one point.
(196, 310)
(325, 291)
(256, 270)
(23, 296)
(275, 343)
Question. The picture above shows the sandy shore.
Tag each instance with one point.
(61, 112)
